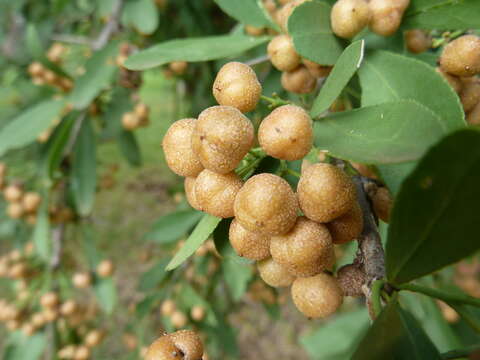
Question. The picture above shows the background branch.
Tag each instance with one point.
(110, 27)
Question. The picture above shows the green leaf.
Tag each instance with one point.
(435, 219)
(41, 232)
(193, 50)
(395, 335)
(26, 127)
(442, 15)
(142, 15)
(92, 253)
(199, 235)
(100, 71)
(190, 298)
(237, 277)
(394, 174)
(337, 338)
(248, 12)
(33, 42)
(129, 147)
(309, 27)
(171, 227)
(84, 173)
(154, 276)
(346, 66)
(106, 294)
(21, 347)
(380, 134)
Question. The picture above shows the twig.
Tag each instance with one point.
(72, 39)
(58, 235)
(258, 60)
(460, 353)
(110, 27)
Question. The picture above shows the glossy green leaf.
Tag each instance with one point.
(199, 235)
(26, 127)
(346, 66)
(100, 71)
(129, 147)
(171, 227)
(84, 169)
(237, 276)
(395, 335)
(394, 174)
(154, 276)
(142, 15)
(106, 294)
(373, 134)
(193, 50)
(41, 233)
(309, 27)
(435, 219)
(442, 15)
(248, 12)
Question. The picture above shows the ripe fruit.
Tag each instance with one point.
(177, 145)
(286, 133)
(221, 138)
(248, 244)
(94, 338)
(461, 57)
(168, 307)
(31, 201)
(215, 193)
(386, 15)
(197, 313)
(105, 268)
(306, 250)
(130, 121)
(49, 300)
(299, 81)
(317, 70)
(349, 17)
(318, 296)
(473, 117)
(82, 280)
(453, 81)
(178, 67)
(253, 30)
(189, 343)
(347, 227)
(237, 85)
(351, 279)
(382, 203)
(325, 192)
(15, 210)
(178, 319)
(13, 193)
(68, 308)
(189, 186)
(282, 54)
(417, 41)
(163, 349)
(284, 13)
(82, 353)
(183, 344)
(274, 274)
(470, 94)
(266, 204)
(141, 110)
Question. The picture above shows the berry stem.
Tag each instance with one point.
(274, 101)
(441, 295)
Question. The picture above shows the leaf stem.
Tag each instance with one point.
(292, 172)
(377, 287)
(460, 353)
(441, 295)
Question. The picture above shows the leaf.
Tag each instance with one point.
(337, 338)
(33, 42)
(394, 174)
(248, 12)
(237, 277)
(309, 27)
(379, 134)
(346, 66)
(190, 298)
(26, 127)
(435, 219)
(21, 347)
(442, 15)
(129, 147)
(100, 70)
(154, 276)
(92, 253)
(41, 232)
(199, 235)
(193, 50)
(171, 227)
(142, 15)
(84, 169)
(395, 335)
(106, 294)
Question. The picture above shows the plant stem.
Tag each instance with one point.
(438, 294)
(274, 101)
(460, 353)
(376, 289)
(292, 172)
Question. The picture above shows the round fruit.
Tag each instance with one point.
(49, 300)
(178, 67)
(349, 17)
(13, 193)
(285, 11)
(130, 121)
(237, 85)
(318, 296)
(453, 81)
(168, 307)
(68, 308)
(317, 70)
(417, 41)
(299, 81)
(248, 244)
(163, 349)
(189, 343)
(36, 69)
(470, 94)
(105, 268)
(197, 313)
(282, 54)
(177, 145)
(215, 193)
(382, 204)
(347, 227)
(274, 274)
(15, 210)
(306, 250)
(221, 138)
(266, 204)
(473, 117)
(82, 280)
(141, 110)
(325, 192)
(31, 201)
(178, 319)
(189, 186)
(82, 353)
(461, 57)
(94, 338)
(253, 30)
(286, 133)
(386, 15)
(351, 279)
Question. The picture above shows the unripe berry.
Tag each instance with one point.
(382, 204)
(317, 70)
(237, 85)
(282, 54)
(141, 110)
(318, 296)
(274, 274)
(470, 94)
(286, 133)
(130, 121)
(266, 204)
(417, 41)
(452, 80)
(349, 17)
(31, 201)
(15, 210)
(82, 280)
(50, 315)
(461, 57)
(178, 67)
(105, 268)
(168, 308)
(221, 138)
(177, 145)
(13, 193)
(18, 271)
(306, 250)
(197, 313)
(49, 300)
(178, 319)
(67, 352)
(249, 244)
(351, 279)
(299, 81)
(347, 227)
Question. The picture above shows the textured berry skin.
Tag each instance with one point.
(382, 204)
(285, 11)
(461, 57)
(473, 117)
(189, 186)
(274, 274)
(299, 81)
(282, 54)
(348, 226)
(306, 250)
(470, 94)
(349, 17)
(317, 70)
(222, 137)
(325, 192)
(386, 15)
(253, 246)
(417, 41)
(452, 80)
(237, 85)
(163, 349)
(351, 279)
(189, 344)
(177, 145)
(286, 133)
(266, 204)
(318, 296)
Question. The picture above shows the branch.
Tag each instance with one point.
(58, 235)
(110, 27)
(72, 39)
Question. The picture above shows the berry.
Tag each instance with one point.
(178, 67)
(453, 81)
(299, 81)
(82, 353)
(82, 280)
(382, 203)
(168, 308)
(15, 210)
(31, 201)
(68, 308)
(461, 57)
(183, 344)
(351, 279)
(130, 121)
(189, 344)
(189, 186)
(253, 30)
(386, 15)
(347, 227)
(163, 349)
(473, 117)
(248, 244)
(177, 146)
(286, 133)
(282, 54)
(13, 193)
(470, 94)
(94, 338)
(317, 70)
(105, 268)
(349, 17)
(49, 300)
(197, 313)
(274, 274)
(178, 319)
(285, 11)
(417, 41)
